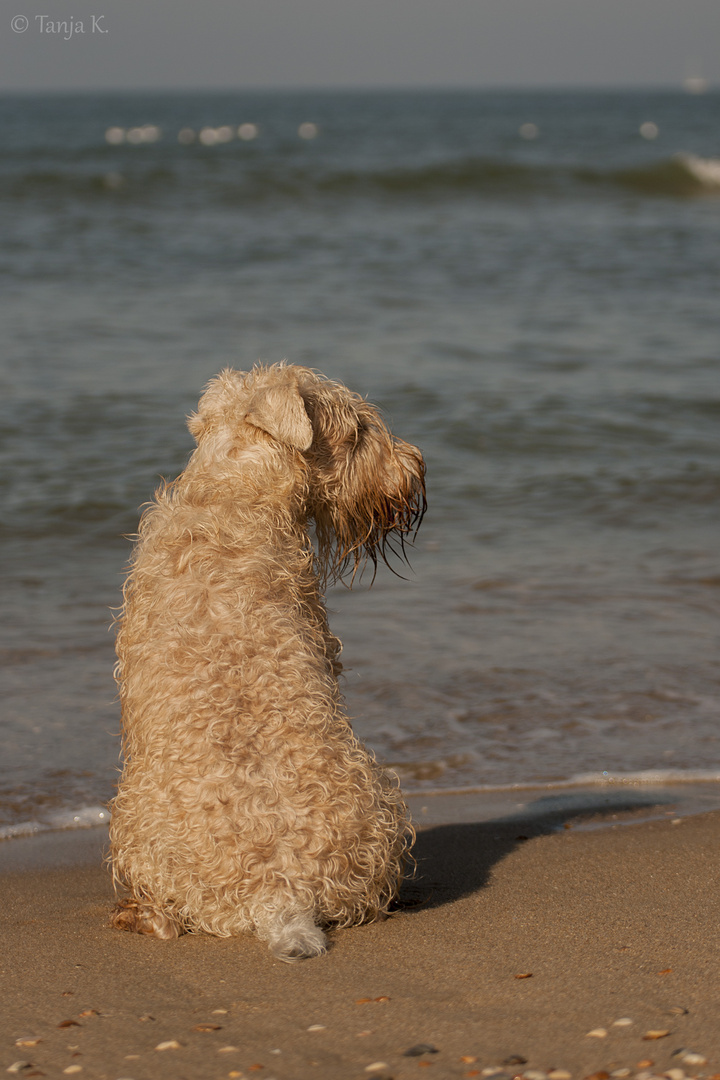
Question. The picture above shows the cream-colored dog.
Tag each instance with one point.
(246, 802)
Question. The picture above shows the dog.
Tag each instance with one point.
(246, 802)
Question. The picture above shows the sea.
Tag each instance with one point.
(526, 283)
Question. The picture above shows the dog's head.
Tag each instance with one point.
(362, 487)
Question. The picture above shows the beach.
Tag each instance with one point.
(519, 947)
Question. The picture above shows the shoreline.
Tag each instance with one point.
(518, 939)
(585, 803)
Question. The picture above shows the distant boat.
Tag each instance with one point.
(695, 84)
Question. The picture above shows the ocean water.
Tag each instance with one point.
(526, 283)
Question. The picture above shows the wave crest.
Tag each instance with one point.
(680, 175)
(683, 175)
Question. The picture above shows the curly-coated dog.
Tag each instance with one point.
(246, 801)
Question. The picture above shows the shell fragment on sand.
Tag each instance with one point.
(419, 1049)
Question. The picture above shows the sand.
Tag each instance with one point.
(606, 924)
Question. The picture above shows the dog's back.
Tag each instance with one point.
(246, 801)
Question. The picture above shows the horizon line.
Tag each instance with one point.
(679, 86)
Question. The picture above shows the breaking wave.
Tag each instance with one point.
(681, 175)
(242, 182)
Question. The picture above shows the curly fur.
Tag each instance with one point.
(246, 802)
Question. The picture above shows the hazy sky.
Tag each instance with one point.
(364, 43)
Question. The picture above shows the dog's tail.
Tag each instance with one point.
(292, 937)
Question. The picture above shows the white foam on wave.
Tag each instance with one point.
(706, 170)
(84, 817)
(606, 778)
(588, 800)
(648, 776)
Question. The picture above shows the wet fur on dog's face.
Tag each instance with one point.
(366, 485)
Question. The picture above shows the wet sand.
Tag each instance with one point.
(610, 924)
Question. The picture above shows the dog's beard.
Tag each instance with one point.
(372, 520)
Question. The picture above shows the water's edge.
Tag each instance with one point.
(80, 837)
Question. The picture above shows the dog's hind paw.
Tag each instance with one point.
(297, 939)
(140, 918)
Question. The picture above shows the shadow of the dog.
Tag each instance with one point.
(453, 861)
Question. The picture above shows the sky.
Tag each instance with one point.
(206, 44)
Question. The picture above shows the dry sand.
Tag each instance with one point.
(607, 924)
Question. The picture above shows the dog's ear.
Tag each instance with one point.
(280, 411)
